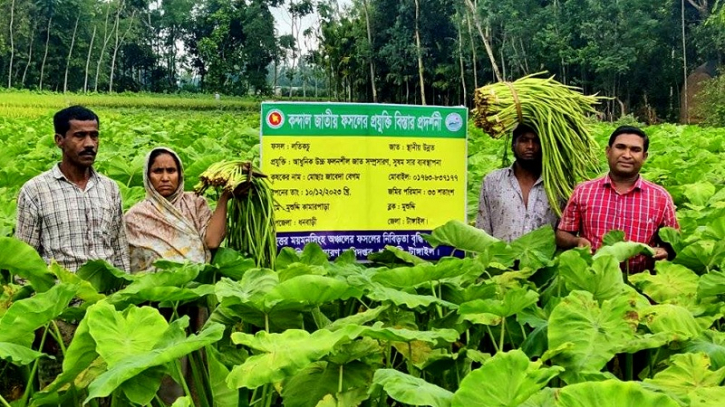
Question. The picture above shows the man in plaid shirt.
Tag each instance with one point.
(71, 213)
(621, 200)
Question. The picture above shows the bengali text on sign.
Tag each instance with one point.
(362, 176)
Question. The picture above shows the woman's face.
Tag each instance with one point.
(164, 174)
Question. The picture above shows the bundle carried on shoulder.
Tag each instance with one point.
(250, 218)
(558, 113)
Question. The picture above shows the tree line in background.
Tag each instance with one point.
(403, 51)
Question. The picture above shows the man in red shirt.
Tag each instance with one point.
(621, 200)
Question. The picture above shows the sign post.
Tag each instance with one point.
(364, 176)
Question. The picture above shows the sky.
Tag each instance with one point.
(282, 21)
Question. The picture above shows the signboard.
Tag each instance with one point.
(364, 176)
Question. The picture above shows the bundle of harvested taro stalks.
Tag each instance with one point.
(558, 113)
(250, 219)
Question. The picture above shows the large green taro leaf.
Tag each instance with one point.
(711, 343)
(611, 393)
(437, 337)
(461, 236)
(407, 389)
(103, 276)
(313, 255)
(146, 367)
(491, 311)
(20, 258)
(400, 298)
(250, 290)
(699, 193)
(19, 323)
(85, 290)
(357, 319)
(672, 284)
(218, 372)
(310, 386)
(687, 373)
(672, 237)
(394, 255)
(603, 278)
(167, 283)
(545, 398)
(80, 355)
(707, 397)
(261, 299)
(229, 263)
(595, 333)
(423, 274)
(701, 255)
(506, 380)
(120, 335)
(672, 320)
(535, 249)
(282, 355)
(17, 354)
(711, 284)
(309, 290)
(622, 251)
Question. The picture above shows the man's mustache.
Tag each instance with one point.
(88, 152)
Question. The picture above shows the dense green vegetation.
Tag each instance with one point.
(508, 325)
(405, 51)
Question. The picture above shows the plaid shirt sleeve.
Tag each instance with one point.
(27, 227)
(483, 219)
(571, 216)
(670, 218)
(119, 242)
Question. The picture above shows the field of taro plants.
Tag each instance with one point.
(515, 324)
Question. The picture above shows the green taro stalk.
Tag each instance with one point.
(250, 219)
(558, 113)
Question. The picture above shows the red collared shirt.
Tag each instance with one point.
(596, 208)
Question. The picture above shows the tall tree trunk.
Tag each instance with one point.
(88, 60)
(116, 47)
(484, 38)
(473, 52)
(276, 74)
(503, 61)
(525, 65)
(462, 65)
(12, 45)
(702, 7)
(30, 55)
(371, 60)
(291, 81)
(70, 52)
(106, 38)
(421, 69)
(45, 55)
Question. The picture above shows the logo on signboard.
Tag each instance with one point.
(275, 119)
(454, 122)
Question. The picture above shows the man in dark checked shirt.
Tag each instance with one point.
(621, 200)
(513, 200)
(71, 213)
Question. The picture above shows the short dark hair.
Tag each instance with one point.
(520, 130)
(61, 120)
(629, 130)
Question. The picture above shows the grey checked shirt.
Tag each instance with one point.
(71, 225)
(501, 210)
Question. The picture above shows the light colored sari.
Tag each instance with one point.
(170, 228)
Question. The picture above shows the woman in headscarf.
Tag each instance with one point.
(172, 224)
